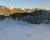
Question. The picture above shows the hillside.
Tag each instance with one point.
(34, 16)
(6, 11)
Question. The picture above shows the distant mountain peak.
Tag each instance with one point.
(11, 7)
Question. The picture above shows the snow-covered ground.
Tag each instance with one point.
(19, 30)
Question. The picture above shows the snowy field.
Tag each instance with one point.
(19, 30)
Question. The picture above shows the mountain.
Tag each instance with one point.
(4, 10)
(17, 10)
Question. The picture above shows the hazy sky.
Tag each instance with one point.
(27, 3)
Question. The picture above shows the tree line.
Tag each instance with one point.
(37, 16)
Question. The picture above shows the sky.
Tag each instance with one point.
(27, 3)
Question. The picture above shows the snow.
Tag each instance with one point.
(19, 30)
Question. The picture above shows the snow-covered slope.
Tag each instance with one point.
(19, 30)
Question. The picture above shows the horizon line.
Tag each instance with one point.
(25, 7)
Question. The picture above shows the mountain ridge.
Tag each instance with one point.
(4, 10)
